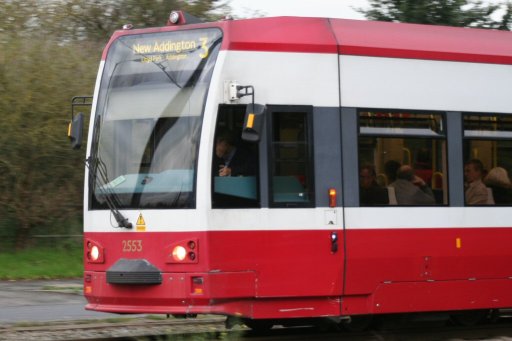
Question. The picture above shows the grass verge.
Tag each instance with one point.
(41, 263)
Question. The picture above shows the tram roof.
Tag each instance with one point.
(360, 37)
(371, 38)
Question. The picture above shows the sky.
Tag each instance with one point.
(310, 8)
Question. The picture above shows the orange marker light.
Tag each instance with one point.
(332, 197)
(250, 121)
(197, 285)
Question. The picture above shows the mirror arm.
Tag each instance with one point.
(75, 127)
(246, 92)
(80, 101)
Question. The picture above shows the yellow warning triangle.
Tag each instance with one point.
(141, 224)
(140, 220)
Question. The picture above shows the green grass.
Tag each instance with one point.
(41, 263)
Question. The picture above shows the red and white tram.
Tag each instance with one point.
(164, 233)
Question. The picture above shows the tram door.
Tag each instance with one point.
(302, 167)
(288, 193)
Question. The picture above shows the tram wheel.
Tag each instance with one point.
(259, 325)
(357, 323)
(469, 317)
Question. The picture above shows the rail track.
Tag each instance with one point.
(111, 329)
(213, 328)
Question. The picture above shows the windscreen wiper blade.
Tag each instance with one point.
(96, 166)
(157, 64)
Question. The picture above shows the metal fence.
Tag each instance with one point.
(68, 241)
(62, 240)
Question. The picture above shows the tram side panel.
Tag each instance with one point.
(450, 257)
(427, 269)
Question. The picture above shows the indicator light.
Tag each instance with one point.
(197, 285)
(332, 197)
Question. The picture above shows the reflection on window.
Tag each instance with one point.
(488, 156)
(291, 173)
(402, 159)
(146, 163)
(400, 123)
(487, 126)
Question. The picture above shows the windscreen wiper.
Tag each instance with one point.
(111, 197)
(149, 59)
(97, 166)
(163, 68)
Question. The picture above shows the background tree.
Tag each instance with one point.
(98, 19)
(439, 12)
(41, 177)
(50, 52)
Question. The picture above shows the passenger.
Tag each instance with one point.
(497, 179)
(411, 189)
(230, 160)
(423, 165)
(476, 192)
(370, 193)
(391, 168)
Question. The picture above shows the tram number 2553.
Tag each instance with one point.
(132, 245)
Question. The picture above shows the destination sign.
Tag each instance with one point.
(175, 47)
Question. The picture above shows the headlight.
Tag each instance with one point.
(183, 251)
(94, 252)
(179, 253)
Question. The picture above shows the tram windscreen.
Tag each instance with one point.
(148, 119)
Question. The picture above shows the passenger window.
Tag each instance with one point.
(291, 178)
(402, 158)
(234, 162)
(488, 159)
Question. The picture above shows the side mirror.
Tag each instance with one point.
(75, 131)
(253, 122)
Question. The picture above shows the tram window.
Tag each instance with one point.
(402, 158)
(291, 160)
(488, 156)
(235, 163)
